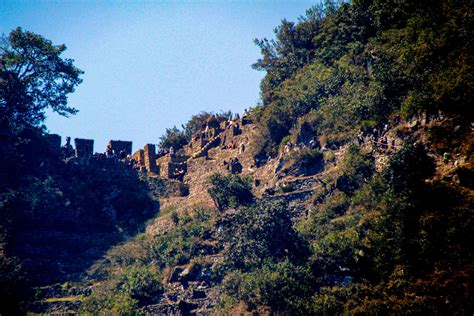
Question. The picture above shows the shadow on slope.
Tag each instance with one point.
(61, 217)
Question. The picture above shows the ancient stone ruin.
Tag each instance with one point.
(54, 139)
(119, 145)
(83, 147)
(167, 165)
(139, 155)
(149, 155)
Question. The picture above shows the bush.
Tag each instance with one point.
(281, 287)
(174, 137)
(125, 291)
(103, 300)
(408, 169)
(187, 240)
(263, 231)
(140, 282)
(356, 169)
(230, 191)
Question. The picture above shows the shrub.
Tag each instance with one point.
(103, 300)
(187, 240)
(230, 191)
(408, 168)
(173, 137)
(124, 291)
(356, 170)
(263, 231)
(281, 287)
(140, 282)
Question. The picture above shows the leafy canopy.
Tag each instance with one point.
(263, 231)
(33, 77)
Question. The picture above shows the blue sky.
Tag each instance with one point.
(151, 65)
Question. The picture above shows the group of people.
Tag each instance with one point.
(107, 158)
(208, 128)
(233, 166)
(178, 174)
(233, 121)
(378, 135)
(165, 151)
(312, 144)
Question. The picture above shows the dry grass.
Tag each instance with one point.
(64, 299)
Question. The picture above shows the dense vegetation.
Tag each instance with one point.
(230, 191)
(388, 242)
(56, 218)
(347, 67)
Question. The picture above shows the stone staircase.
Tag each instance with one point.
(203, 150)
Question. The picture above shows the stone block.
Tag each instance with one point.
(139, 155)
(164, 166)
(83, 147)
(54, 139)
(150, 158)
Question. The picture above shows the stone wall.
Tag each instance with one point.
(83, 147)
(227, 137)
(150, 158)
(196, 145)
(54, 139)
(119, 145)
(139, 155)
(166, 165)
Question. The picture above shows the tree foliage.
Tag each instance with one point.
(230, 191)
(261, 232)
(34, 77)
(354, 65)
(173, 137)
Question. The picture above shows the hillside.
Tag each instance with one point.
(348, 190)
(189, 283)
(189, 261)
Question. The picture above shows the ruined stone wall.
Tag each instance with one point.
(83, 147)
(119, 145)
(167, 164)
(150, 158)
(54, 139)
(139, 155)
(227, 137)
(195, 146)
(164, 165)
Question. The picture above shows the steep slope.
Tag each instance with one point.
(360, 165)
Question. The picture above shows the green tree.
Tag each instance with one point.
(33, 77)
(173, 137)
(263, 231)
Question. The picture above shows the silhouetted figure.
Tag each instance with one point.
(68, 151)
